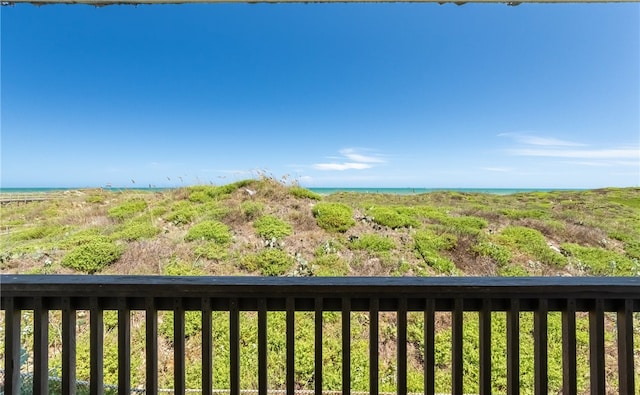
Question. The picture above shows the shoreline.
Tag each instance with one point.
(325, 191)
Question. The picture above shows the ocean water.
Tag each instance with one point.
(63, 189)
(322, 191)
(414, 191)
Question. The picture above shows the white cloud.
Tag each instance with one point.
(342, 166)
(606, 163)
(234, 172)
(351, 154)
(591, 164)
(529, 139)
(622, 153)
(350, 159)
(628, 162)
(550, 147)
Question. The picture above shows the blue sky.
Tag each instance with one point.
(360, 95)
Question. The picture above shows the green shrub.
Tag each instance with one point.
(330, 265)
(203, 193)
(274, 262)
(95, 199)
(513, 271)
(270, 262)
(372, 243)
(500, 254)
(521, 214)
(304, 193)
(438, 262)
(51, 210)
(92, 257)
(209, 230)
(214, 210)
(82, 237)
(248, 262)
(427, 239)
(601, 262)
(127, 209)
(392, 217)
(532, 242)
(179, 268)
(199, 197)
(403, 267)
(158, 211)
(192, 325)
(427, 246)
(182, 213)
(633, 202)
(251, 209)
(13, 222)
(234, 186)
(38, 232)
(270, 227)
(465, 225)
(110, 319)
(212, 251)
(109, 362)
(632, 249)
(333, 217)
(136, 231)
(631, 242)
(430, 212)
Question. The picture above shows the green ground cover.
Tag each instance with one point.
(282, 230)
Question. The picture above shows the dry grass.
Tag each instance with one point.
(89, 210)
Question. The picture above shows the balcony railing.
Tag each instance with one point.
(428, 296)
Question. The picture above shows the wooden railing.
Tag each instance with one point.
(28, 197)
(42, 294)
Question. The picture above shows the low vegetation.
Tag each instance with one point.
(268, 262)
(261, 227)
(392, 217)
(270, 227)
(600, 261)
(334, 217)
(251, 209)
(304, 193)
(127, 209)
(92, 256)
(429, 245)
(372, 242)
(209, 230)
(136, 230)
(532, 242)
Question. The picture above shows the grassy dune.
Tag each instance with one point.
(225, 230)
(260, 227)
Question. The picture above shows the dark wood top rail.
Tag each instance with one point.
(455, 295)
(248, 290)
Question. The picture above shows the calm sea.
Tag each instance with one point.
(413, 191)
(322, 191)
(62, 189)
